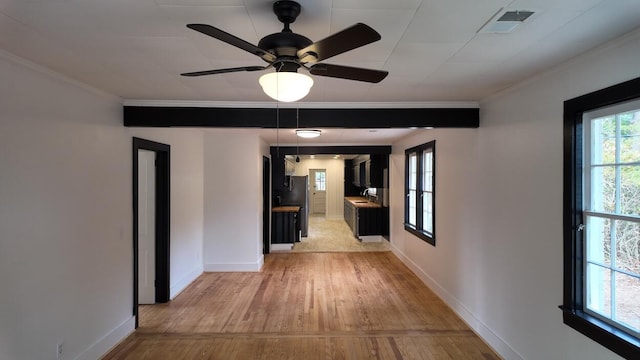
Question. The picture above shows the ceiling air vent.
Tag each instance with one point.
(505, 21)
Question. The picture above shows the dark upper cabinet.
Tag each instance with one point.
(350, 188)
(374, 171)
(368, 170)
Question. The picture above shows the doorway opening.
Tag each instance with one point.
(151, 165)
(266, 205)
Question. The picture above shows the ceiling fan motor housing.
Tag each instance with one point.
(286, 11)
(285, 44)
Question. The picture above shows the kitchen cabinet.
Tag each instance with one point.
(364, 217)
(356, 174)
(368, 171)
(369, 221)
(350, 189)
(285, 227)
(374, 171)
(350, 215)
(367, 174)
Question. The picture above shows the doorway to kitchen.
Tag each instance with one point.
(150, 175)
(337, 163)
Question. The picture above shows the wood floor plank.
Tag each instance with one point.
(305, 306)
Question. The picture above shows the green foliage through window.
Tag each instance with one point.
(601, 224)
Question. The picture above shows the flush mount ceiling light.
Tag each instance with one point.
(308, 133)
(286, 86)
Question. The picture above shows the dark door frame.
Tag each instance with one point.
(266, 204)
(163, 153)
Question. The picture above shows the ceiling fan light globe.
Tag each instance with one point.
(286, 86)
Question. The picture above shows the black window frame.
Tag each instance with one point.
(609, 336)
(415, 230)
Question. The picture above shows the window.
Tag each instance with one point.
(321, 181)
(602, 217)
(420, 191)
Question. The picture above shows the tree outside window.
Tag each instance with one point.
(612, 216)
(602, 217)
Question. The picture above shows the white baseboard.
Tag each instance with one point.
(235, 267)
(281, 247)
(182, 284)
(109, 341)
(490, 337)
(371, 238)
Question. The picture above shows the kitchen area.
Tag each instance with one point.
(366, 207)
(356, 199)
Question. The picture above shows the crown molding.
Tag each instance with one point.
(302, 105)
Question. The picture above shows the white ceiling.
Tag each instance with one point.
(329, 137)
(433, 51)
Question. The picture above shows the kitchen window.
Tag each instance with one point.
(602, 217)
(420, 191)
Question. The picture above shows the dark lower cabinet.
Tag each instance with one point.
(365, 221)
(385, 222)
(284, 227)
(369, 221)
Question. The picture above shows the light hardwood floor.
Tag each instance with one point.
(352, 305)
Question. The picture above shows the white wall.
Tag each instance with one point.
(65, 214)
(233, 202)
(187, 202)
(498, 258)
(335, 183)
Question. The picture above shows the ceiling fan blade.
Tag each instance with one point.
(232, 40)
(342, 41)
(222, 71)
(348, 72)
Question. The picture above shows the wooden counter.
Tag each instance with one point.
(285, 209)
(357, 201)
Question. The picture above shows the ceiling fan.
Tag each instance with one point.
(287, 51)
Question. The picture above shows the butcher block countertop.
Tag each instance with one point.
(285, 209)
(361, 202)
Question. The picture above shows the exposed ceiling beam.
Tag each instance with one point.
(285, 118)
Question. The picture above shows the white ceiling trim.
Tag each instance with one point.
(305, 105)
